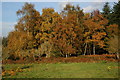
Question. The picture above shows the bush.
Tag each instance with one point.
(5, 54)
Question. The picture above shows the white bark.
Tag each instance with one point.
(85, 49)
(94, 49)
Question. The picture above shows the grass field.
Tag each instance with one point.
(62, 70)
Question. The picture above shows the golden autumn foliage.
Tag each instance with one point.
(12, 72)
(69, 32)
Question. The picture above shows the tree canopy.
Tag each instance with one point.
(70, 32)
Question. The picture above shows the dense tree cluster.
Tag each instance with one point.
(70, 32)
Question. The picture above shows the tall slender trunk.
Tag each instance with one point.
(89, 50)
(66, 56)
(85, 49)
(94, 49)
(118, 56)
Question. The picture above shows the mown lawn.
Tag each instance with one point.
(62, 70)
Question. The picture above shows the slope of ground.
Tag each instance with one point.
(61, 70)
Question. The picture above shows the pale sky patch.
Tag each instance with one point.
(59, 0)
(62, 5)
(93, 6)
(7, 27)
(0, 29)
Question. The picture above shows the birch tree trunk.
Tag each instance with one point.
(66, 56)
(94, 49)
(85, 49)
(118, 57)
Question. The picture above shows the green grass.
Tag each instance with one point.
(65, 70)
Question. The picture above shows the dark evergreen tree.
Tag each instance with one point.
(115, 15)
(106, 10)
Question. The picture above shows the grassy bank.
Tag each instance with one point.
(61, 70)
